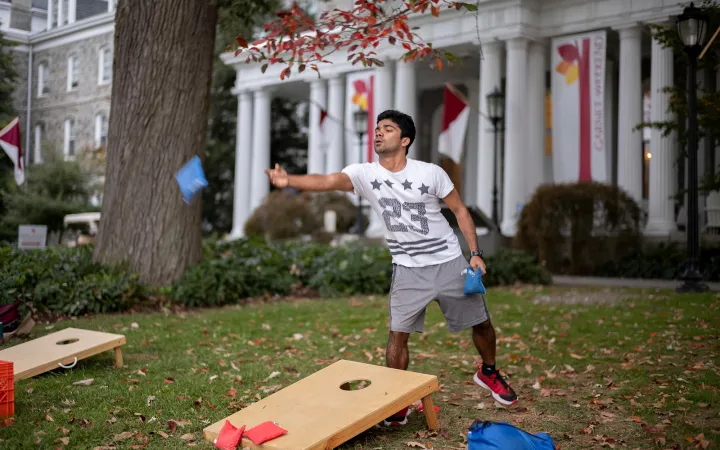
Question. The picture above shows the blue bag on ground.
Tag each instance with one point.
(484, 435)
(473, 282)
(191, 179)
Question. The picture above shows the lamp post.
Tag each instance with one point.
(496, 109)
(691, 27)
(360, 118)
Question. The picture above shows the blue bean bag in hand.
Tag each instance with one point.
(473, 281)
(484, 435)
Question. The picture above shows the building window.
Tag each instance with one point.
(73, 72)
(105, 66)
(36, 155)
(101, 130)
(43, 87)
(66, 11)
(69, 148)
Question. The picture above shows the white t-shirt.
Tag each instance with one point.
(408, 201)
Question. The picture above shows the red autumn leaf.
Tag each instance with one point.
(241, 41)
(568, 52)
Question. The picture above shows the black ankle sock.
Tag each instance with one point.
(488, 369)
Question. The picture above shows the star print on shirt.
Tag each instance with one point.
(388, 183)
(424, 189)
(407, 184)
(376, 184)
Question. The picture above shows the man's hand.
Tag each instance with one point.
(476, 262)
(278, 177)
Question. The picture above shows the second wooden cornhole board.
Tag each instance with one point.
(62, 348)
(319, 414)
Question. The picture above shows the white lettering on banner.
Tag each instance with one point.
(598, 104)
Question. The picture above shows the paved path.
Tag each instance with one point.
(564, 280)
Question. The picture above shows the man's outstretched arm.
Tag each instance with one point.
(332, 182)
(466, 224)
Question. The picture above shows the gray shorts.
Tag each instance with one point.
(414, 288)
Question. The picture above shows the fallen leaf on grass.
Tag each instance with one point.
(49, 418)
(163, 434)
(87, 382)
(272, 375)
(576, 356)
(188, 437)
(415, 444)
(150, 399)
(63, 440)
(124, 435)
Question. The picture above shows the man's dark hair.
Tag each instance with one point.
(403, 121)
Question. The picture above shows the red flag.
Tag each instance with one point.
(10, 142)
(454, 124)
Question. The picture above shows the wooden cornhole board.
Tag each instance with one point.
(49, 352)
(318, 414)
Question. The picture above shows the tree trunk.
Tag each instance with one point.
(158, 121)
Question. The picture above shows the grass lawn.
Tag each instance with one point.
(591, 369)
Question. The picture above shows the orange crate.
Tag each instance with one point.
(7, 390)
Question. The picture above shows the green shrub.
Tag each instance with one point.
(285, 214)
(575, 228)
(510, 266)
(663, 261)
(65, 281)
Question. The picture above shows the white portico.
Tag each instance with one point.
(506, 44)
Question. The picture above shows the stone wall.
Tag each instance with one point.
(20, 93)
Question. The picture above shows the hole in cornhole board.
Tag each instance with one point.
(48, 352)
(318, 413)
(355, 385)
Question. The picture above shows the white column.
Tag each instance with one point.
(660, 207)
(336, 117)
(470, 163)
(111, 5)
(243, 160)
(406, 97)
(60, 12)
(50, 13)
(383, 101)
(515, 133)
(260, 185)
(318, 101)
(72, 10)
(630, 152)
(384, 88)
(490, 76)
(535, 157)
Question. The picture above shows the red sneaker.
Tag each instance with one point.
(497, 386)
(398, 419)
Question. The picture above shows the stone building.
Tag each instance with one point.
(64, 57)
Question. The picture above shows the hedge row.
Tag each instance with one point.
(65, 281)
(68, 282)
(245, 268)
